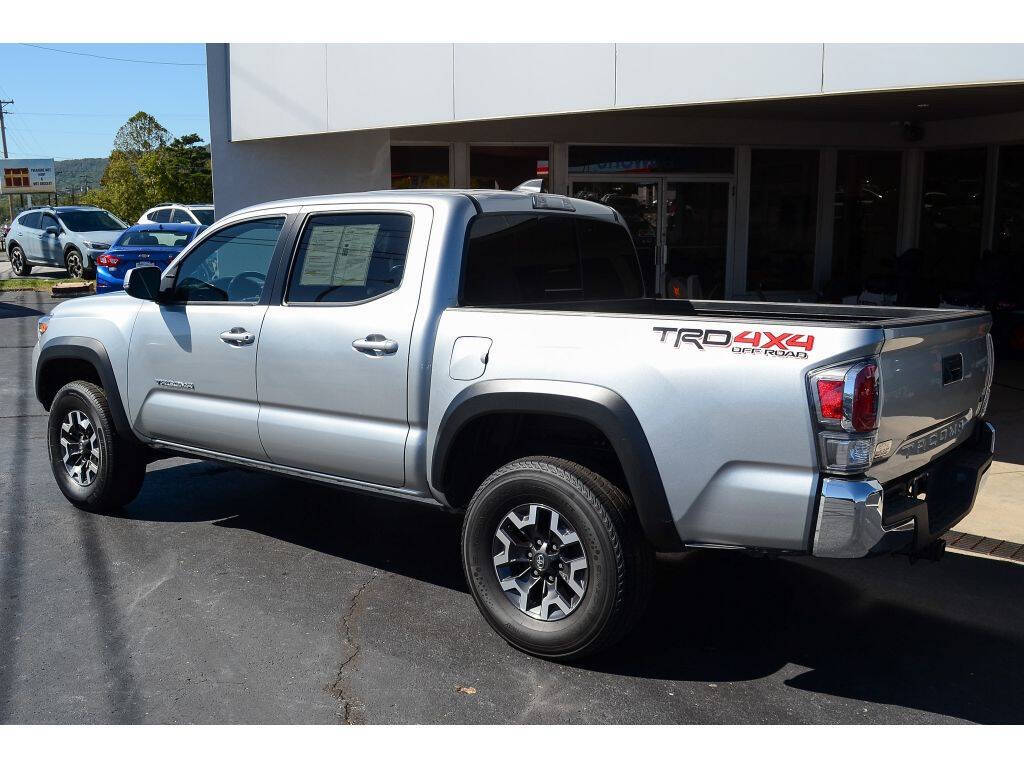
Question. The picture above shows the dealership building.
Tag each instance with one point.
(811, 172)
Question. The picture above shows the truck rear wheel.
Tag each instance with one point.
(555, 557)
(95, 468)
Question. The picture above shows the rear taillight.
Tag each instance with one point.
(990, 364)
(830, 399)
(846, 402)
(107, 260)
(864, 412)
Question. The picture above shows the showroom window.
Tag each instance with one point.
(783, 219)
(1003, 277)
(507, 167)
(414, 167)
(597, 159)
(866, 215)
(953, 200)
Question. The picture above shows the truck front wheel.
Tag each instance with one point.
(555, 557)
(95, 468)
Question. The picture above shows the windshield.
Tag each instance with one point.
(90, 221)
(154, 238)
(205, 215)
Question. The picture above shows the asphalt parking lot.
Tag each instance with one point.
(226, 596)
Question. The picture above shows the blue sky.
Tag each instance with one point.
(68, 106)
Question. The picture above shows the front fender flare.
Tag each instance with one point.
(599, 406)
(93, 352)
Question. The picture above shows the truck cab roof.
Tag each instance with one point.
(484, 200)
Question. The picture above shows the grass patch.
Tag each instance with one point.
(26, 284)
(31, 283)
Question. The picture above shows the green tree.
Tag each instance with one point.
(147, 166)
(182, 172)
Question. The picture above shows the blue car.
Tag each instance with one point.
(142, 245)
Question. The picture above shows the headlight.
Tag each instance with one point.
(97, 246)
(41, 325)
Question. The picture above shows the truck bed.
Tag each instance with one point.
(846, 315)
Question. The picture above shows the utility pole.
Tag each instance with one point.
(3, 128)
(3, 135)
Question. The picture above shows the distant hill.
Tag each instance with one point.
(73, 174)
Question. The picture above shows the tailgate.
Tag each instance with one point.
(935, 379)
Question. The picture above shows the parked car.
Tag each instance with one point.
(144, 245)
(493, 353)
(178, 213)
(69, 236)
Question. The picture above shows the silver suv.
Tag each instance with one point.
(178, 213)
(69, 236)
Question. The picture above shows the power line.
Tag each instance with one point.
(105, 114)
(115, 58)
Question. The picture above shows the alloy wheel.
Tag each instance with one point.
(540, 562)
(74, 264)
(17, 261)
(81, 448)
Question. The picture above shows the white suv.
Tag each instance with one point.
(178, 213)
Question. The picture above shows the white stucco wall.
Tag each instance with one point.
(290, 90)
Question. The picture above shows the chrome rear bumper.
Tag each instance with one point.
(860, 517)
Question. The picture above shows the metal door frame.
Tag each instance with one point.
(661, 226)
(696, 178)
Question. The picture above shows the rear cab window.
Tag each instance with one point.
(526, 258)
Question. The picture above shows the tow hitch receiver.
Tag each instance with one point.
(934, 552)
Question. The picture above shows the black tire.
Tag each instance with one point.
(74, 264)
(121, 465)
(620, 560)
(19, 265)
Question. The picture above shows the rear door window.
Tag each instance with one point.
(350, 257)
(161, 215)
(30, 220)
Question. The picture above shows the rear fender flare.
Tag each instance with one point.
(601, 407)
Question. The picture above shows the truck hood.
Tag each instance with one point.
(104, 305)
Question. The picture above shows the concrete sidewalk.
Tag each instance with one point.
(999, 512)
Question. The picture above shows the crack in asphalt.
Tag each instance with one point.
(337, 688)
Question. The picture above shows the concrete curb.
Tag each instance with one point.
(78, 288)
(983, 545)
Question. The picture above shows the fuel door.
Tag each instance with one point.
(469, 357)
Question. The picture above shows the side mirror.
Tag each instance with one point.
(143, 283)
(52, 231)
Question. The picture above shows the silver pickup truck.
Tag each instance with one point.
(495, 353)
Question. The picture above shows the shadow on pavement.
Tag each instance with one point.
(911, 641)
(414, 540)
(8, 310)
(946, 638)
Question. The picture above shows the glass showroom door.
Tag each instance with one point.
(698, 216)
(637, 202)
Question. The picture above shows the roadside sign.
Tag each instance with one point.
(27, 176)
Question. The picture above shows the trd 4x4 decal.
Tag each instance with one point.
(766, 343)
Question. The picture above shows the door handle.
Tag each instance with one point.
(238, 337)
(375, 344)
